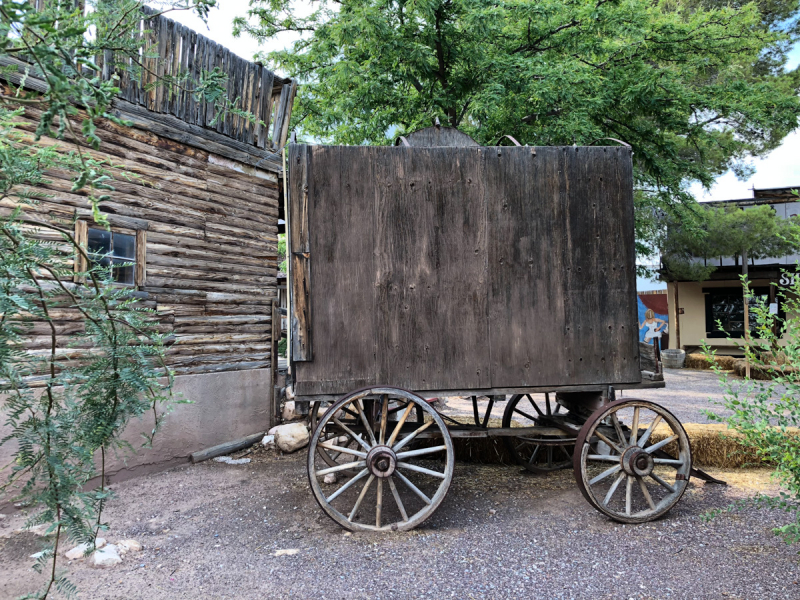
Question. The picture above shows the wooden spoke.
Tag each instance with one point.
(347, 485)
(608, 441)
(411, 436)
(397, 499)
(400, 424)
(618, 428)
(628, 495)
(534, 454)
(339, 450)
(379, 501)
(634, 426)
(363, 493)
(605, 474)
(547, 401)
(349, 431)
(412, 487)
(421, 451)
(668, 461)
(661, 444)
(646, 493)
(613, 488)
(418, 469)
(662, 482)
(604, 457)
(365, 422)
(649, 432)
(344, 467)
(384, 418)
(524, 414)
(534, 405)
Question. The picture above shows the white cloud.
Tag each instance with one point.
(781, 168)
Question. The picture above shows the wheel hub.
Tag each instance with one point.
(635, 461)
(381, 461)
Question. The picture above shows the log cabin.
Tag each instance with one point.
(198, 217)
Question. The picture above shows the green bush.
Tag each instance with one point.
(766, 412)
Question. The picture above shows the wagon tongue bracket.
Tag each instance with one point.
(381, 461)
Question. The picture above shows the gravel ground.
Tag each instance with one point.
(212, 530)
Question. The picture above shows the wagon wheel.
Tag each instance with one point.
(622, 471)
(417, 480)
(537, 453)
(332, 458)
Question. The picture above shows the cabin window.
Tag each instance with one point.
(123, 251)
(726, 305)
(115, 250)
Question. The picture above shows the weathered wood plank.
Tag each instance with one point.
(430, 249)
(342, 244)
(526, 250)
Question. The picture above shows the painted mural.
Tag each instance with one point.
(653, 320)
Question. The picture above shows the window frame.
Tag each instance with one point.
(82, 227)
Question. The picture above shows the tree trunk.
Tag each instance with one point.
(746, 316)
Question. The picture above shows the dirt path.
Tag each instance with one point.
(211, 531)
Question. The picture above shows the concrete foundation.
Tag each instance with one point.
(224, 407)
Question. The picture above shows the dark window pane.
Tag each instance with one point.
(124, 246)
(99, 241)
(123, 272)
(728, 309)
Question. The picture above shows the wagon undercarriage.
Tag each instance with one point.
(382, 458)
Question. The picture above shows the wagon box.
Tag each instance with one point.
(479, 269)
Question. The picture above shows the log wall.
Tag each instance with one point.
(209, 224)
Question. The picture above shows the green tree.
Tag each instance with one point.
(688, 86)
(690, 249)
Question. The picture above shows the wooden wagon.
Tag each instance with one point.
(442, 268)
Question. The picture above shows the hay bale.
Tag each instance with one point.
(697, 360)
(725, 362)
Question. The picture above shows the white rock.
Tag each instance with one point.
(287, 552)
(343, 439)
(79, 551)
(106, 556)
(291, 437)
(232, 461)
(330, 478)
(273, 430)
(128, 546)
(37, 529)
(38, 554)
(268, 441)
(289, 411)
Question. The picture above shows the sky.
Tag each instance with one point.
(781, 168)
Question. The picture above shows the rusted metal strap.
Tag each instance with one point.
(702, 475)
